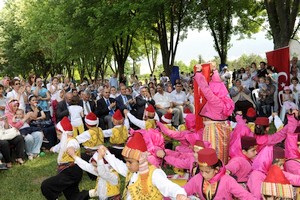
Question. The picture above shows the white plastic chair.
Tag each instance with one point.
(255, 96)
(282, 108)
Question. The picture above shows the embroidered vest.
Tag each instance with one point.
(119, 135)
(182, 127)
(66, 158)
(150, 123)
(96, 139)
(111, 190)
(135, 189)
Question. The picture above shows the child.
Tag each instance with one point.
(33, 136)
(107, 184)
(288, 99)
(150, 118)
(262, 164)
(69, 174)
(217, 109)
(212, 182)
(292, 153)
(262, 128)
(118, 134)
(143, 181)
(240, 165)
(76, 114)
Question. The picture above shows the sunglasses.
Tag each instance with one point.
(17, 83)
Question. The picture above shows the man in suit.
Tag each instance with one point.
(62, 107)
(87, 104)
(106, 107)
(125, 101)
(142, 102)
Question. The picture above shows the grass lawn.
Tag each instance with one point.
(23, 182)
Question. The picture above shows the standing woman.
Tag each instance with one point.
(274, 77)
(11, 107)
(42, 95)
(17, 93)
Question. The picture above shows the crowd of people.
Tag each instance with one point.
(136, 128)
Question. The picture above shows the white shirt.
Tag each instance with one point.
(178, 97)
(140, 123)
(159, 179)
(14, 95)
(75, 114)
(85, 105)
(163, 99)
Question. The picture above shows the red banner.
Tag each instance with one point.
(198, 96)
(280, 59)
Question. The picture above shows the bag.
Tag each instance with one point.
(41, 123)
(8, 134)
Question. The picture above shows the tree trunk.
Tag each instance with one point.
(282, 15)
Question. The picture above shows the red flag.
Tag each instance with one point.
(199, 97)
(280, 59)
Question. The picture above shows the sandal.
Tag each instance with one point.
(20, 161)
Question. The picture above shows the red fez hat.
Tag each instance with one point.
(91, 119)
(150, 108)
(118, 115)
(263, 121)
(199, 144)
(251, 112)
(248, 142)
(167, 118)
(65, 125)
(207, 157)
(278, 153)
(135, 146)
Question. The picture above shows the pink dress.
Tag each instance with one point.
(292, 154)
(227, 187)
(219, 105)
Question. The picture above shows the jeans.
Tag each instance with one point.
(33, 142)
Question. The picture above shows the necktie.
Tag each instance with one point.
(126, 103)
(87, 108)
(111, 112)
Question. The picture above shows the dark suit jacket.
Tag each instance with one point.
(140, 105)
(102, 108)
(61, 110)
(120, 102)
(92, 105)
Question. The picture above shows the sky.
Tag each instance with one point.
(201, 43)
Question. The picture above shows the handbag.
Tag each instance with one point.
(8, 134)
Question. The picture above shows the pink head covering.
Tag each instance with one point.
(190, 121)
(9, 106)
(217, 86)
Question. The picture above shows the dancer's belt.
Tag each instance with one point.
(63, 166)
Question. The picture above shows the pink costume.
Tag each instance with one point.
(154, 141)
(261, 166)
(240, 167)
(9, 113)
(186, 138)
(264, 140)
(292, 154)
(218, 108)
(241, 129)
(227, 187)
